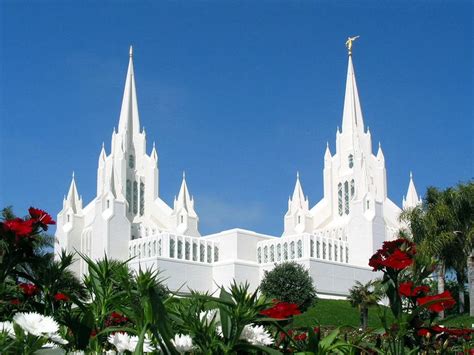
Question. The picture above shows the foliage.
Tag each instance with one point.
(363, 296)
(289, 282)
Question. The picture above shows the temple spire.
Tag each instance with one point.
(412, 199)
(129, 119)
(73, 199)
(352, 119)
(298, 200)
(184, 200)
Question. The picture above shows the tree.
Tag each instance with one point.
(442, 229)
(289, 282)
(363, 296)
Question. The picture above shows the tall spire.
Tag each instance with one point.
(129, 119)
(352, 119)
(110, 186)
(298, 200)
(73, 199)
(412, 199)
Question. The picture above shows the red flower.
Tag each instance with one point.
(438, 302)
(281, 310)
(423, 332)
(300, 337)
(41, 217)
(18, 226)
(61, 297)
(28, 289)
(406, 289)
(115, 319)
(15, 302)
(395, 255)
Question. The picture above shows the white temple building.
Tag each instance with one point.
(334, 239)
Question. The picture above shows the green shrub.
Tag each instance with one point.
(289, 282)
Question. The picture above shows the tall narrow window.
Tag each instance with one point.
(340, 257)
(339, 198)
(335, 251)
(330, 251)
(265, 254)
(216, 253)
(202, 252)
(135, 197)
(182, 219)
(299, 250)
(312, 248)
(318, 246)
(180, 249)
(272, 253)
(129, 195)
(187, 250)
(352, 189)
(346, 197)
(285, 251)
(131, 161)
(299, 219)
(292, 250)
(279, 252)
(347, 255)
(172, 246)
(195, 251)
(324, 250)
(142, 198)
(259, 255)
(209, 254)
(351, 161)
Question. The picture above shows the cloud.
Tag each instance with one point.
(216, 214)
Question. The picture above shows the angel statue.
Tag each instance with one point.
(349, 43)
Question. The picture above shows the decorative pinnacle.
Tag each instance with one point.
(349, 43)
(411, 175)
(184, 175)
(131, 51)
(297, 174)
(73, 174)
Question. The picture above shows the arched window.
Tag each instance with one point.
(318, 247)
(187, 250)
(259, 255)
(142, 198)
(265, 254)
(299, 251)
(350, 160)
(131, 161)
(195, 251)
(154, 247)
(216, 253)
(180, 249)
(135, 197)
(339, 198)
(202, 252)
(312, 248)
(346, 197)
(172, 246)
(279, 252)
(209, 254)
(128, 193)
(272, 253)
(299, 219)
(182, 219)
(335, 251)
(69, 218)
(340, 257)
(329, 251)
(292, 250)
(347, 255)
(324, 250)
(285, 251)
(159, 247)
(352, 189)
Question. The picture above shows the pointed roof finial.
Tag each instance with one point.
(103, 146)
(411, 175)
(131, 51)
(184, 175)
(73, 174)
(349, 43)
(297, 174)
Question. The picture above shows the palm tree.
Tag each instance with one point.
(363, 296)
(442, 229)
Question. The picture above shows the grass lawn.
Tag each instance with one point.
(336, 313)
(339, 312)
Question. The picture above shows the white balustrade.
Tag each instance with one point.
(166, 245)
(328, 245)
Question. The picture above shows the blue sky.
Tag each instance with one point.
(240, 94)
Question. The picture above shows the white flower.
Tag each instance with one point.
(123, 342)
(256, 335)
(208, 316)
(182, 343)
(7, 327)
(58, 339)
(36, 324)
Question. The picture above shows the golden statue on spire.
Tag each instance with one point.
(349, 43)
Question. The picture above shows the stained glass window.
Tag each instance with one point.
(292, 250)
(135, 197)
(346, 197)
(339, 198)
(142, 198)
(300, 249)
(172, 246)
(272, 253)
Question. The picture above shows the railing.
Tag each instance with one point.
(166, 245)
(323, 245)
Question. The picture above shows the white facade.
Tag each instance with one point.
(333, 239)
